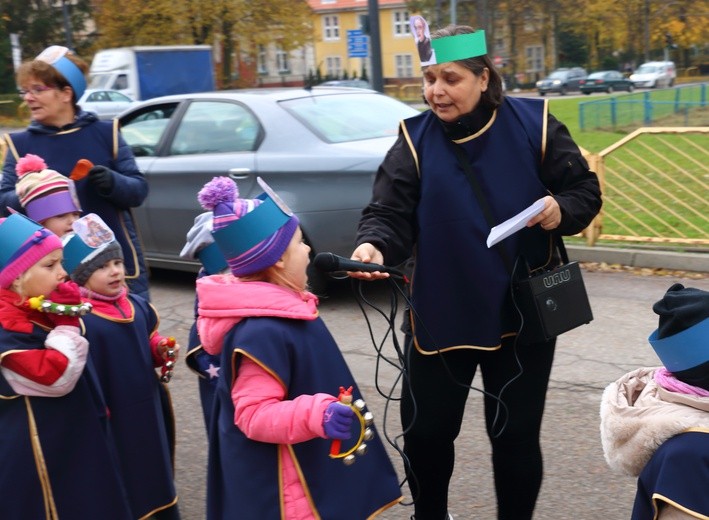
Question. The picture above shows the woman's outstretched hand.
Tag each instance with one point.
(367, 253)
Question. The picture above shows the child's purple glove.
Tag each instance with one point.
(337, 421)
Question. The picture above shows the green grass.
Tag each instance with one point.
(651, 189)
(566, 110)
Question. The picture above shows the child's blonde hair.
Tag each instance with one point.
(275, 276)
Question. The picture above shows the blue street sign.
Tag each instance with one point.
(357, 44)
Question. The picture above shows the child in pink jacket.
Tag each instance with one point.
(276, 410)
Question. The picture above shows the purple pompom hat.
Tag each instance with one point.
(252, 234)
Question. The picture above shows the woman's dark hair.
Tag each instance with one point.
(492, 97)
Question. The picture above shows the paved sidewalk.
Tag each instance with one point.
(646, 257)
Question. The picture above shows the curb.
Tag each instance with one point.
(656, 259)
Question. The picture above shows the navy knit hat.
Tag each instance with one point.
(681, 340)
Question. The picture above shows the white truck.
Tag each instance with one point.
(146, 72)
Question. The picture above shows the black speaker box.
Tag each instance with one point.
(552, 302)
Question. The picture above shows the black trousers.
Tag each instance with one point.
(433, 401)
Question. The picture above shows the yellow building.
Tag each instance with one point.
(335, 43)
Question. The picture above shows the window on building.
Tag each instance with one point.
(333, 66)
(401, 23)
(331, 28)
(535, 58)
(404, 64)
(282, 61)
(261, 66)
(531, 22)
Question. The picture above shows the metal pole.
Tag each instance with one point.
(454, 12)
(67, 25)
(375, 45)
(646, 30)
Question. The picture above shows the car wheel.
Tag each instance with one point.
(562, 91)
(630, 88)
(542, 93)
(588, 93)
(609, 90)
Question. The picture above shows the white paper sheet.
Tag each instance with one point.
(514, 224)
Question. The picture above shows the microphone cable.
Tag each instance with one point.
(401, 361)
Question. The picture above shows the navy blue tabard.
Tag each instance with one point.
(677, 474)
(460, 288)
(243, 476)
(120, 352)
(72, 468)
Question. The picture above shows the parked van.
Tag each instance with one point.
(654, 74)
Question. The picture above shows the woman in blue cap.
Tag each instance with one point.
(62, 133)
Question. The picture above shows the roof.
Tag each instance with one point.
(276, 93)
(348, 5)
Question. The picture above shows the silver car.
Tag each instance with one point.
(318, 149)
(105, 103)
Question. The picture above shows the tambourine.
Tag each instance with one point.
(366, 433)
(169, 365)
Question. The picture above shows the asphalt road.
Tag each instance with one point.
(577, 484)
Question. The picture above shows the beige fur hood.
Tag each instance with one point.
(637, 416)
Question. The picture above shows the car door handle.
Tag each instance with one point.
(239, 174)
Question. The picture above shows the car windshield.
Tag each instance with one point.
(646, 69)
(597, 75)
(352, 117)
(100, 81)
(558, 75)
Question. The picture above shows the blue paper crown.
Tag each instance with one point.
(212, 258)
(73, 75)
(16, 230)
(55, 55)
(75, 251)
(684, 350)
(258, 224)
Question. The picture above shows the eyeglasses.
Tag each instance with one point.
(35, 90)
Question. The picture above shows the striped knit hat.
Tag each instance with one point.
(252, 234)
(44, 193)
(23, 243)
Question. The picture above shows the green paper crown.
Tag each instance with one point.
(459, 47)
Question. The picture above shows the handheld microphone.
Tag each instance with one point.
(329, 262)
